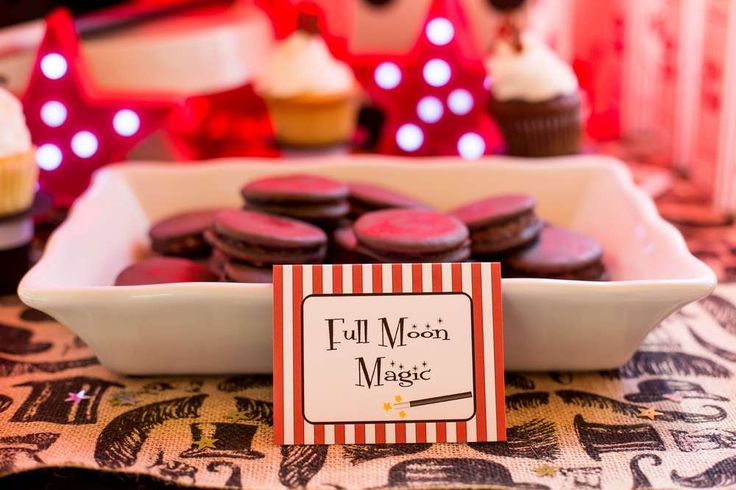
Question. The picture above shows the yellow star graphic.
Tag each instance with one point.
(545, 470)
(236, 416)
(397, 398)
(387, 406)
(402, 414)
(649, 413)
(205, 442)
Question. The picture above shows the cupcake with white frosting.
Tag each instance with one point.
(311, 96)
(534, 99)
(18, 170)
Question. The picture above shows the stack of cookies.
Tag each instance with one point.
(365, 198)
(412, 235)
(499, 224)
(253, 242)
(302, 219)
(311, 198)
(506, 228)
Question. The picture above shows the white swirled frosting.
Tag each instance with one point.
(302, 64)
(535, 74)
(14, 136)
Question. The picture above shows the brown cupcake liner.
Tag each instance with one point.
(539, 129)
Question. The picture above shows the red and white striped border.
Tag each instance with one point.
(481, 281)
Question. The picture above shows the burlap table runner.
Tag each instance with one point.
(666, 419)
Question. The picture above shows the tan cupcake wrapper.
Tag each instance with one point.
(18, 177)
(313, 120)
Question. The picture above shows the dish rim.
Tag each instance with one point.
(28, 290)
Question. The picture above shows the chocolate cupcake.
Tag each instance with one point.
(534, 99)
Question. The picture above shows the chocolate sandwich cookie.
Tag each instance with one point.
(216, 262)
(265, 239)
(163, 270)
(365, 198)
(241, 272)
(319, 200)
(183, 234)
(345, 248)
(499, 224)
(412, 235)
(558, 254)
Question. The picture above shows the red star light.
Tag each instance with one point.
(75, 129)
(434, 96)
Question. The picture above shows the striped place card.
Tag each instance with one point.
(388, 353)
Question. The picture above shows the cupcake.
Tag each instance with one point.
(534, 99)
(312, 97)
(18, 170)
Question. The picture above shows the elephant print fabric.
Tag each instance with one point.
(666, 419)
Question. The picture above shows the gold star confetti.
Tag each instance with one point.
(236, 416)
(545, 470)
(397, 398)
(402, 414)
(205, 442)
(387, 406)
(649, 413)
(123, 398)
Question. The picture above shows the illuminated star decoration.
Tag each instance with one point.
(77, 397)
(434, 96)
(75, 129)
(205, 442)
(545, 470)
(402, 414)
(387, 406)
(650, 413)
(398, 398)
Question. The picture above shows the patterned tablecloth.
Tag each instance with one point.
(666, 419)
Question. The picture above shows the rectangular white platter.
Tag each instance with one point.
(226, 328)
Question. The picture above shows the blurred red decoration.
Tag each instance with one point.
(225, 124)
(76, 129)
(235, 122)
(434, 96)
(334, 19)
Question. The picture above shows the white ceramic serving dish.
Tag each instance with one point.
(226, 328)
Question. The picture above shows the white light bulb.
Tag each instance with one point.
(48, 157)
(126, 122)
(387, 75)
(460, 101)
(436, 72)
(429, 109)
(84, 144)
(53, 113)
(471, 146)
(409, 137)
(440, 31)
(53, 66)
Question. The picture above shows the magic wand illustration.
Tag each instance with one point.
(434, 399)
